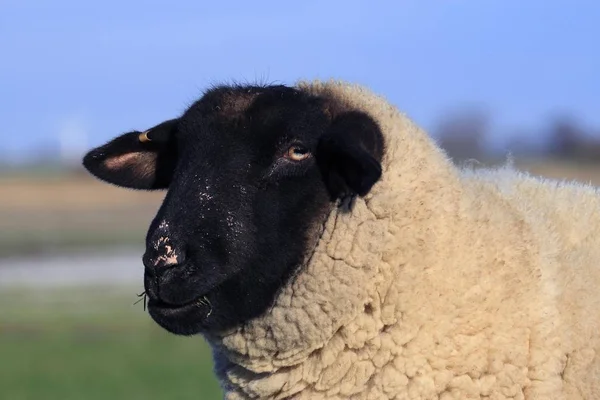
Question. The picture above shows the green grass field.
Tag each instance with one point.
(95, 345)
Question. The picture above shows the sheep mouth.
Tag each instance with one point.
(199, 302)
(181, 319)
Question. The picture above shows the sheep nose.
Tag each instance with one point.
(162, 249)
(162, 255)
(159, 258)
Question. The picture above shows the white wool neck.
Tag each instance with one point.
(334, 300)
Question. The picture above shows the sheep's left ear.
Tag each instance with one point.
(349, 154)
(137, 160)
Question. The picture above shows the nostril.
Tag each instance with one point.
(162, 257)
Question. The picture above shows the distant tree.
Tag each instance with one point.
(565, 138)
(569, 141)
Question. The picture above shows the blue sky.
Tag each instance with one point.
(91, 70)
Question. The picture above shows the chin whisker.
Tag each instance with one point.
(143, 298)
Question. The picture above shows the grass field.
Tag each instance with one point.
(40, 214)
(94, 344)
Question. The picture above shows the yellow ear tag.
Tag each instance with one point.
(144, 137)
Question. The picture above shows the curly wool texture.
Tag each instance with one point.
(441, 283)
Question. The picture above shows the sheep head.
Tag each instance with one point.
(251, 173)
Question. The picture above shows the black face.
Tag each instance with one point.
(252, 173)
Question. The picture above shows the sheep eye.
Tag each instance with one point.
(297, 153)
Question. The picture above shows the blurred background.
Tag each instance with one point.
(490, 80)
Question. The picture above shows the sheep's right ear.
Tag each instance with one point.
(349, 154)
(137, 160)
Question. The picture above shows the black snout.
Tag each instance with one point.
(176, 285)
(165, 275)
(169, 279)
(164, 257)
(163, 247)
(164, 254)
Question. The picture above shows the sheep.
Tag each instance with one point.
(327, 248)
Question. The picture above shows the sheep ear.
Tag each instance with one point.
(349, 154)
(137, 160)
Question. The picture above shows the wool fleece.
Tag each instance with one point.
(441, 283)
